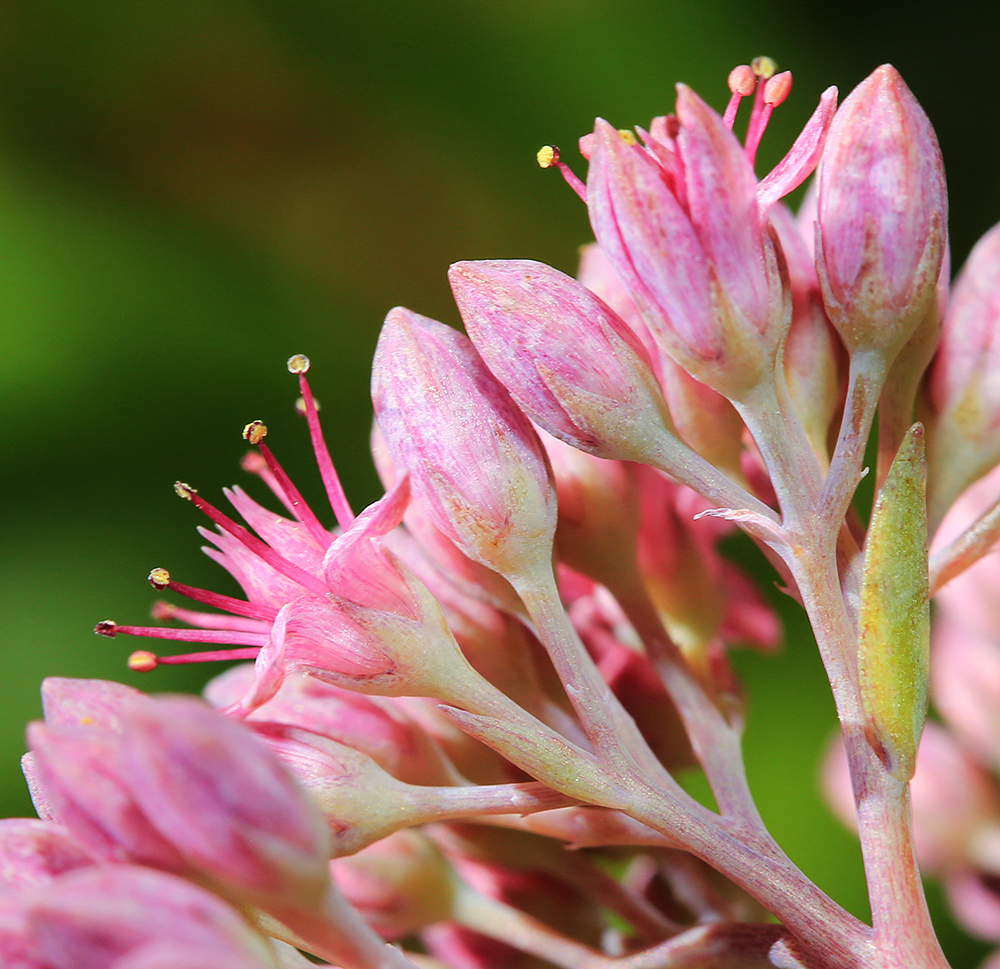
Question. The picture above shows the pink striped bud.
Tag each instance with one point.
(704, 419)
(126, 917)
(882, 220)
(964, 436)
(181, 788)
(692, 247)
(34, 852)
(475, 462)
(568, 360)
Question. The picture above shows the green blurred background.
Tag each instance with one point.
(193, 190)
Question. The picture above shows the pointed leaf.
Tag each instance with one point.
(894, 648)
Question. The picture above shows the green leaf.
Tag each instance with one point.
(894, 648)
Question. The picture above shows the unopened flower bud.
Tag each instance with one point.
(475, 462)
(567, 358)
(964, 434)
(34, 852)
(401, 884)
(127, 917)
(882, 221)
(181, 788)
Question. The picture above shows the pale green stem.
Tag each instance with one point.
(903, 933)
(715, 742)
(967, 549)
(781, 439)
(690, 468)
(618, 743)
(453, 803)
(834, 937)
(867, 375)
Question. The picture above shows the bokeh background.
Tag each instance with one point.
(193, 190)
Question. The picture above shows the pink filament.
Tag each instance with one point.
(331, 481)
(300, 509)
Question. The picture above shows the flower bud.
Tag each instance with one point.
(127, 917)
(964, 435)
(34, 852)
(568, 360)
(691, 246)
(475, 462)
(401, 884)
(184, 789)
(703, 419)
(882, 220)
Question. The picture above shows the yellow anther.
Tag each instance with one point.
(255, 432)
(763, 67)
(184, 490)
(142, 661)
(159, 578)
(298, 363)
(627, 136)
(548, 155)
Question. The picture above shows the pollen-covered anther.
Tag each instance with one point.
(159, 578)
(742, 80)
(184, 491)
(548, 155)
(764, 67)
(298, 363)
(107, 627)
(255, 432)
(777, 88)
(142, 661)
(628, 136)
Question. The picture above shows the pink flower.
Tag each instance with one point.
(566, 357)
(882, 219)
(476, 465)
(964, 389)
(683, 223)
(126, 917)
(175, 785)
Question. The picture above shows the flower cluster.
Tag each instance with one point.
(524, 641)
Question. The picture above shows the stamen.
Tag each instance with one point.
(112, 629)
(777, 88)
(167, 611)
(765, 69)
(160, 579)
(742, 82)
(255, 464)
(299, 364)
(548, 157)
(142, 661)
(255, 432)
(261, 549)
